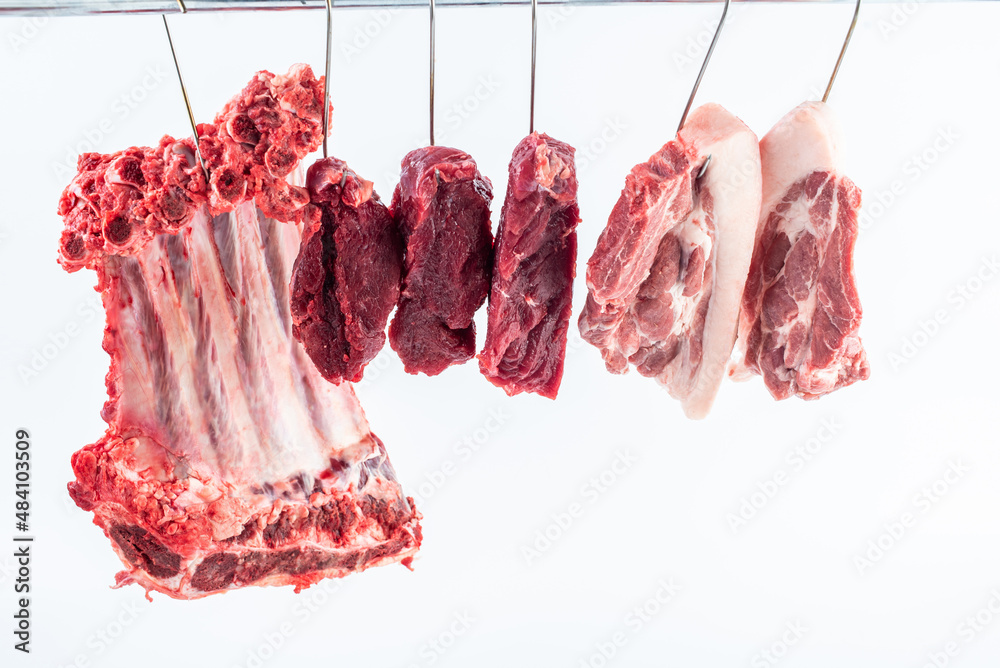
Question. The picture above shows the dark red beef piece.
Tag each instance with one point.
(442, 208)
(533, 269)
(345, 281)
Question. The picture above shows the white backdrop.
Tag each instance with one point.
(869, 533)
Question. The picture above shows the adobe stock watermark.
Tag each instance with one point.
(367, 34)
(697, 45)
(635, 620)
(891, 23)
(462, 452)
(794, 462)
(27, 29)
(876, 204)
(102, 639)
(39, 358)
(589, 493)
(899, 527)
(588, 152)
(771, 655)
(375, 369)
(965, 632)
(464, 109)
(557, 16)
(307, 604)
(93, 137)
(957, 299)
(436, 647)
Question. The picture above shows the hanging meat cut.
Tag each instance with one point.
(533, 270)
(228, 460)
(667, 275)
(442, 207)
(345, 281)
(801, 312)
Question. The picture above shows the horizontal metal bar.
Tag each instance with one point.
(98, 7)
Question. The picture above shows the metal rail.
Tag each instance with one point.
(98, 7)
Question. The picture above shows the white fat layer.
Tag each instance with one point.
(805, 140)
(734, 180)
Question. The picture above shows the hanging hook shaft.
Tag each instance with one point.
(326, 76)
(534, 44)
(432, 75)
(704, 65)
(843, 50)
(187, 102)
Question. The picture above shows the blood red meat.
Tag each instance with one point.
(228, 460)
(442, 207)
(533, 270)
(345, 281)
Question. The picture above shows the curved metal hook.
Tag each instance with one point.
(843, 50)
(704, 65)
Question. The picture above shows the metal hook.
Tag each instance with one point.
(534, 43)
(843, 50)
(187, 102)
(326, 77)
(704, 65)
(432, 74)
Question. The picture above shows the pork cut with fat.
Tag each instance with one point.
(442, 208)
(667, 275)
(533, 269)
(345, 281)
(228, 460)
(801, 312)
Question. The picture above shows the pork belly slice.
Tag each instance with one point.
(801, 312)
(442, 208)
(533, 269)
(228, 460)
(665, 281)
(345, 281)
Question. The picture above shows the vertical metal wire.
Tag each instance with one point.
(843, 50)
(432, 75)
(326, 77)
(704, 66)
(534, 44)
(187, 101)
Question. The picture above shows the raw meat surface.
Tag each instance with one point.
(442, 207)
(228, 460)
(667, 275)
(533, 270)
(345, 281)
(801, 311)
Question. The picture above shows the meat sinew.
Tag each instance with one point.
(667, 275)
(228, 460)
(345, 281)
(533, 269)
(442, 207)
(801, 312)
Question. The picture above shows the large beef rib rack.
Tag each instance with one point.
(228, 460)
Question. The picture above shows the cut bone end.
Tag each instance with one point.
(191, 535)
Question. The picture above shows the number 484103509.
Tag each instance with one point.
(22, 475)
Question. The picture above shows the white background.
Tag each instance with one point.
(911, 80)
